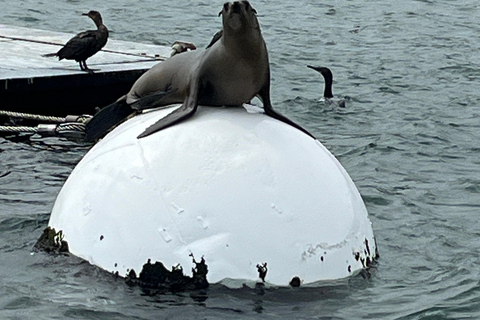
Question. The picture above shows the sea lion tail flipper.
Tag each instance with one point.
(106, 119)
(183, 112)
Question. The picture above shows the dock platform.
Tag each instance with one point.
(32, 83)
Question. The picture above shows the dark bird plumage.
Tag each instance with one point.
(85, 44)
(327, 91)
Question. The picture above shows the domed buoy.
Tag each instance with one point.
(253, 196)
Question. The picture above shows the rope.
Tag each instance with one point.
(31, 116)
(72, 127)
(15, 129)
(68, 130)
(38, 117)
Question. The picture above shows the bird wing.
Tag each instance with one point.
(79, 47)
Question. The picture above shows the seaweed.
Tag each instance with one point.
(52, 242)
(155, 278)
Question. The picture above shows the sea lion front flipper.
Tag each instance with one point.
(106, 119)
(185, 111)
(264, 94)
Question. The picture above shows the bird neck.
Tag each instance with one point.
(98, 22)
(327, 92)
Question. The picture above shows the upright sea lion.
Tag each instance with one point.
(231, 71)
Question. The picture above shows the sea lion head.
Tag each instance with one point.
(238, 16)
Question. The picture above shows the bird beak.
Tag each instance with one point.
(84, 14)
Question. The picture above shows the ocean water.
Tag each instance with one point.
(409, 138)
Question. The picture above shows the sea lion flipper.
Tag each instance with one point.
(215, 38)
(117, 112)
(106, 119)
(267, 107)
(185, 111)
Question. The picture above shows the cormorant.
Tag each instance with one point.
(327, 92)
(85, 44)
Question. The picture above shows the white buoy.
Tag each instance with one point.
(236, 187)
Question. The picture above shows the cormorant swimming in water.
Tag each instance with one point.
(85, 44)
(327, 92)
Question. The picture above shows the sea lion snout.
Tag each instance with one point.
(236, 7)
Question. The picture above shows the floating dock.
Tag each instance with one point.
(32, 83)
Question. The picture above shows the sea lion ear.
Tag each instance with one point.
(248, 5)
(226, 6)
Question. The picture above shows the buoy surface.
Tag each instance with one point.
(239, 188)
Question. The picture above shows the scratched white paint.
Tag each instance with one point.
(236, 187)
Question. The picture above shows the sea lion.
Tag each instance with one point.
(231, 71)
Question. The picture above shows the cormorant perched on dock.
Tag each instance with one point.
(85, 44)
(327, 91)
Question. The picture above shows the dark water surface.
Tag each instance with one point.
(409, 137)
